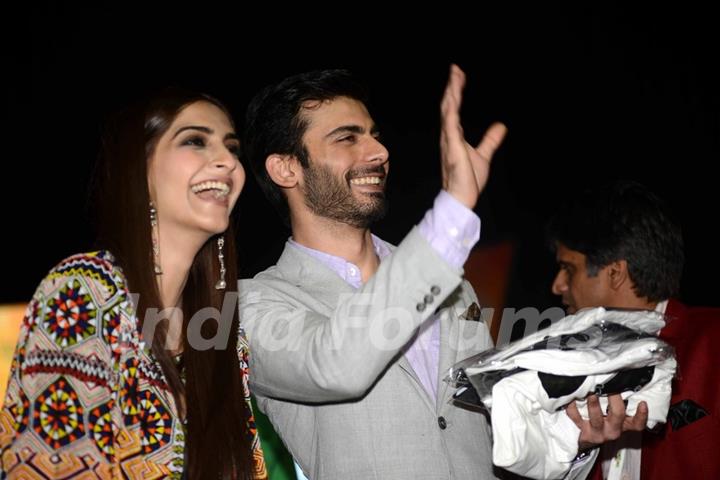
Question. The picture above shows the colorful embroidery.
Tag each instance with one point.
(20, 413)
(97, 266)
(95, 400)
(111, 330)
(86, 369)
(58, 415)
(71, 315)
(156, 423)
(101, 429)
(129, 398)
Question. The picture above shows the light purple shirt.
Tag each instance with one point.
(452, 230)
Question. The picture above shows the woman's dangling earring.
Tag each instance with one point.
(220, 285)
(155, 244)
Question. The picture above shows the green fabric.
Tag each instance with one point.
(279, 462)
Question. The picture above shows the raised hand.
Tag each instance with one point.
(465, 168)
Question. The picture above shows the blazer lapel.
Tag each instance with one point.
(312, 276)
(327, 287)
(448, 354)
(405, 366)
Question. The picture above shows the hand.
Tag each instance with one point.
(465, 168)
(598, 428)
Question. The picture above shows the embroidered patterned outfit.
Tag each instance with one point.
(86, 398)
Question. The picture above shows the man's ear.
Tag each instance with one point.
(284, 170)
(618, 274)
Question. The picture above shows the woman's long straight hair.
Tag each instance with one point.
(218, 440)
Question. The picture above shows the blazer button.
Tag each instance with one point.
(420, 307)
(428, 299)
(435, 290)
(442, 423)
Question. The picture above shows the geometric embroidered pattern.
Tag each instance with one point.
(117, 417)
(152, 373)
(243, 351)
(32, 313)
(20, 413)
(111, 330)
(71, 315)
(86, 369)
(93, 266)
(101, 429)
(156, 422)
(58, 415)
(129, 397)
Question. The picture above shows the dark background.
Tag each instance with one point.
(588, 96)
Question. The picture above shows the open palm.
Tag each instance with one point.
(465, 168)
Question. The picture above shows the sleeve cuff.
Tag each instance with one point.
(451, 229)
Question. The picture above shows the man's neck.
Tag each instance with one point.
(631, 300)
(353, 244)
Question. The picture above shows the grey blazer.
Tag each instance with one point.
(326, 366)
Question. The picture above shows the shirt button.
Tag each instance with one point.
(454, 232)
(435, 290)
(420, 307)
(352, 271)
(442, 423)
(428, 299)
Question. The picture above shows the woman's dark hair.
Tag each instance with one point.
(218, 440)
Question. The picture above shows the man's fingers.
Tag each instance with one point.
(452, 97)
(615, 417)
(616, 407)
(572, 411)
(638, 422)
(457, 83)
(595, 413)
(491, 140)
(450, 105)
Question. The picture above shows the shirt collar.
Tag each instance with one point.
(346, 270)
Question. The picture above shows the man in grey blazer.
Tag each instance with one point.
(350, 337)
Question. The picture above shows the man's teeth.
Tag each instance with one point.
(366, 181)
(221, 189)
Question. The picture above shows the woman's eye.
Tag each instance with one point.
(234, 149)
(194, 141)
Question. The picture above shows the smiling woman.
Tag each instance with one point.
(100, 383)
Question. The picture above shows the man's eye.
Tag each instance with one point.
(347, 138)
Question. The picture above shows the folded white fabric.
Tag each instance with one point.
(531, 438)
(591, 320)
(532, 434)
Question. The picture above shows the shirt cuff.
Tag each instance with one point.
(451, 229)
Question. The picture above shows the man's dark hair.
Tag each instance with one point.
(624, 220)
(275, 124)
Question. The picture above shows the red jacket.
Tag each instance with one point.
(692, 451)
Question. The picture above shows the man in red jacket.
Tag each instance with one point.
(616, 246)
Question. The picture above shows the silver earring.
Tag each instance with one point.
(220, 285)
(155, 244)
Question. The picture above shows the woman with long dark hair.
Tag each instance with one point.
(125, 366)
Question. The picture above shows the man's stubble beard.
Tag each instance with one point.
(327, 196)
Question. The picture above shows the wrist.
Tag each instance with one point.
(468, 201)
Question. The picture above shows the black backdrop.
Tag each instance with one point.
(588, 96)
